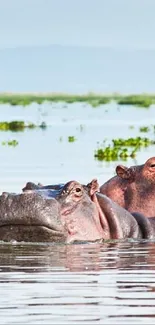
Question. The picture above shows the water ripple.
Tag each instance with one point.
(107, 283)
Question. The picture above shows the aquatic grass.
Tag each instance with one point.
(137, 100)
(71, 139)
(144, 129)
(13, 126)
(24, 99)
(27, 99)
(19, 126)
(114, 153)
(132, 142)
(121, 148)
(12, 143)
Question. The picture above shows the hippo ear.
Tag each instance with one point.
(93, 187)
(30, 186)
(123, 172)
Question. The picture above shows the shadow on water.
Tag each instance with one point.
(95, 283)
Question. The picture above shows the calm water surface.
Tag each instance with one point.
(109, 283)
(46, 155)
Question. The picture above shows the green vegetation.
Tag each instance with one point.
(133, 142)
(27, 99)
(19, 126)
(12, 143)
(144, 129)
(71, 139)
(142, 100)
(121, 148)
(114, 153)
(138, 100)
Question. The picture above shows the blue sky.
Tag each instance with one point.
(114, 23)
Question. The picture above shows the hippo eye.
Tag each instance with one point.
(78, 189)
(153, 165)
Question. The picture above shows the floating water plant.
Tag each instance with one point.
(121, 148)
(137, 100)
(19, 126)
(12, 143)
(144, 129)
(114, 153)
(71, 139)
(43, 125)
(133, 142)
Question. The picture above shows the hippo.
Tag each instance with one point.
(78, 213)
(122, 224)
(30, 216)
(46, 191)
(133, 188)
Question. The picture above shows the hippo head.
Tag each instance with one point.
(89, 215)
(140, 174)
(133, 188)
(80, 214)
(140, 189)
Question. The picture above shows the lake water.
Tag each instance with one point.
(110, 283)
(46, 155)
(77, 284)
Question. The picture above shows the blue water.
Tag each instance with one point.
(111, 283)
(77, 284)
(46, 156)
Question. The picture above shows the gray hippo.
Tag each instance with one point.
(133, 188)
(46, 191)
(78, 213)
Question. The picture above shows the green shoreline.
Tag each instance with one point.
(94, 99)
